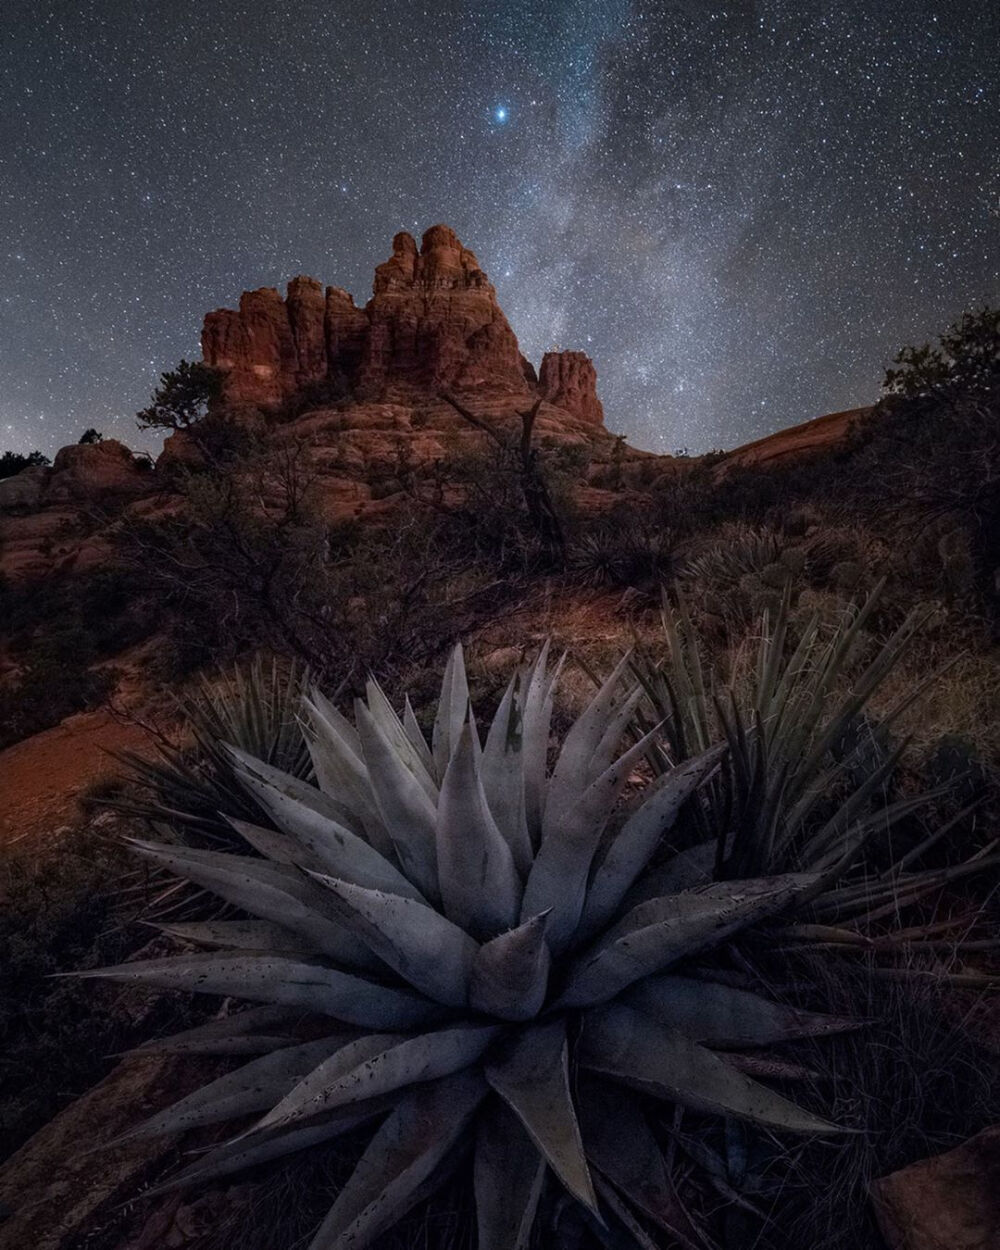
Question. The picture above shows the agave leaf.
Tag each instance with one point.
(335, 848)
(244, 935)
(532, 1076)
(452, 710)
(502, 770)
(406, 1151)
(639, 838)
(639, 1051)
(270, 891)
(656, 934)
(721, 1016)
(247, 766)
(277, 847)
(509, 1175)
(419, 943)
(621, 1145)
(247, 1151)
(279, 979)
(417, 740)
(536, 694)
(256, 1031)
(510, 974)
(395, 731)
(480, 888)
(341, 771)
(558, 877)
(377, 1065)
(574, 769)
(406, 811)
(251, 1087)
(689, 869)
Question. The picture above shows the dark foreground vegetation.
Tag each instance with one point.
(904, 519)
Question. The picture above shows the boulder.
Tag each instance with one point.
(948, 1202)
(23, 491)
(86, 471)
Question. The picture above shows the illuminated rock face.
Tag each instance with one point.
(433, 323)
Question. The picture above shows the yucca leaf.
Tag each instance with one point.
(278, 979)
(630, 852)
(531, 1074)
(510, 974)
(656, 934)
(402, 1157)
(509, 1175)
(377, 1065)
(406, 811)
(480, 888)
(621, 1145)
(249, 1088)
(639, 1051)
(425, 948)
(719, 1015)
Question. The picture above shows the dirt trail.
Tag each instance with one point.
(42, 778)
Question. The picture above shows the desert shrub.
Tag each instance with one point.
(12, 462)
(625, 551)
(57, 632)
(58, 1036)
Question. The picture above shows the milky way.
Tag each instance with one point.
(740, 211)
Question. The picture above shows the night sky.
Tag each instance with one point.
(740, 211)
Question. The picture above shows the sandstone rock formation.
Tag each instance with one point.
(798, 441)
(433, 322)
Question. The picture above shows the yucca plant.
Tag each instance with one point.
(443, 938)
(195, 787)
(806, 784)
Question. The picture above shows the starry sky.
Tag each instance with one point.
(739, 210)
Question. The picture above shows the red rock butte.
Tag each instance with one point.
(433, 324)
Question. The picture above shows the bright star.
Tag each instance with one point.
(500, 113)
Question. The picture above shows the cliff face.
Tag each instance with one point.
(433, 324)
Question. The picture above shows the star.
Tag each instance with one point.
(500, 114)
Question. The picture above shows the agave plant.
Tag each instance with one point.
(443, 940)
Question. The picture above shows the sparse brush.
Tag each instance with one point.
(444, 939)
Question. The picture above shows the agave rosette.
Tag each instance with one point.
(478, 962)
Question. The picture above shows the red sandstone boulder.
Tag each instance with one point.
(85, 471)
(949, 1202)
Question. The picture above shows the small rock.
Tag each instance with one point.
(948, 1202)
